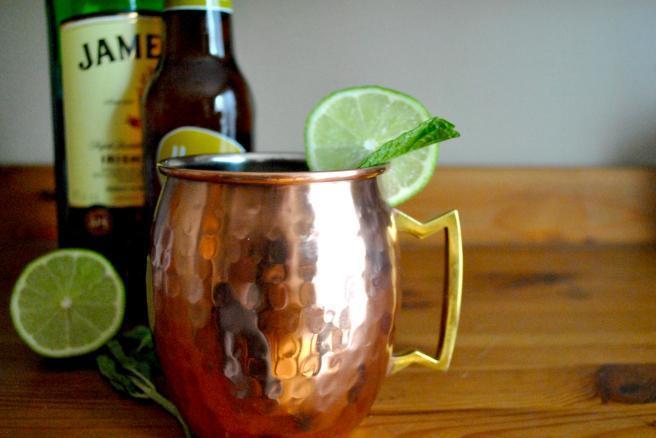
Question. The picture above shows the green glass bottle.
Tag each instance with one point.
(103, 53)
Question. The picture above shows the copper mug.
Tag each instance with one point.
(274, 291)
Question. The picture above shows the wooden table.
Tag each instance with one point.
(557, 335)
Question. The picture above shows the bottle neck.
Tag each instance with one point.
(193, 32)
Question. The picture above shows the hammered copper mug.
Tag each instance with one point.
(274, 291)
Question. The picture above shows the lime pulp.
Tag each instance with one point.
(68, 302)
(348, 124)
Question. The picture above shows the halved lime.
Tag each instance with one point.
(67, 303)
(348, 124)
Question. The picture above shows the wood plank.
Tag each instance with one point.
(497, 205)
(534, 307)
(537, 325)
(633, 421)
(28, 203)
(526, 205)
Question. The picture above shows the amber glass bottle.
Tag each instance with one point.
(103, 53)
(198, 101)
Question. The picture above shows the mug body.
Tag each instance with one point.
(273, 294)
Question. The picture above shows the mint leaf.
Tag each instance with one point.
(429, 132)
(130, 365)
(107, 367)
(143, 335)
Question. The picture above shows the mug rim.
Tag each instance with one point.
(180, 168)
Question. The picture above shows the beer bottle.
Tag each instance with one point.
(198, 101)
(102, 55)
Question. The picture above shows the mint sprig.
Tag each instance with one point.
(130, 366)
(429, 132)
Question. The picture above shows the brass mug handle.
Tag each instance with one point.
(450, 222)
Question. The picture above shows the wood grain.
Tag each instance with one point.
(511, 206)
(538, 325)
(28, 203)
(497, 206)
(557, 336)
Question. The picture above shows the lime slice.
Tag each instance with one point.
(67, 303)
(348, 124)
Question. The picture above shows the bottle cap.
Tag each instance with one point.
(223, 5)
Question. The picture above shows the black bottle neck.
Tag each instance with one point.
(192, 33)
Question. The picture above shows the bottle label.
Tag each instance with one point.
(222, 5)
(106, 64)
(191, 140)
